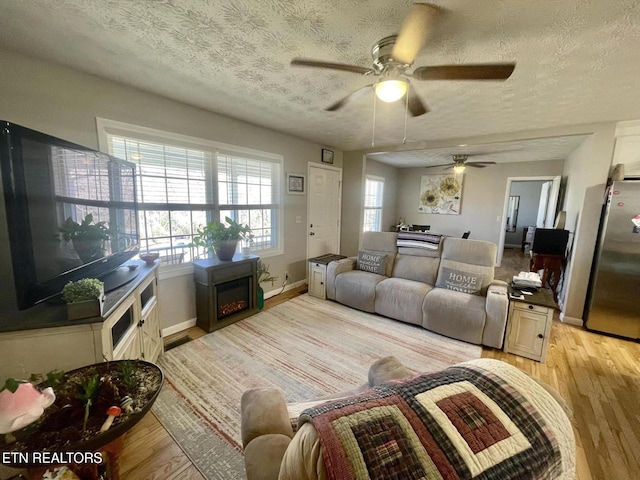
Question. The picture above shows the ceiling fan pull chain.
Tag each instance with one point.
(406, 110)
(373, 133)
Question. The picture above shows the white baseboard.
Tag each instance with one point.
(273, 293)
(571, 320)
(178, 327)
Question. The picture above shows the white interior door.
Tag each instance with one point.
(325, 195)
(554, 193)
(548, 202)
(543, 205)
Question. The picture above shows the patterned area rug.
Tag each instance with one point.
(306, 347)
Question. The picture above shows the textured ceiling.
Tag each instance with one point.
(542, 149)
(577, 60)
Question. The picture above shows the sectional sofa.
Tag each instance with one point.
(444, 284)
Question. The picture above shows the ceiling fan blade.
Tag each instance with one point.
(416, 105)
(414, 32)
(487, 71)
(479, 164)
(352, 96)
(301, 62)
(450, 165)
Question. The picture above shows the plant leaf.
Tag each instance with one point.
(12, 384)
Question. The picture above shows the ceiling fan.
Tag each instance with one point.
(394, 55)
(460, 163)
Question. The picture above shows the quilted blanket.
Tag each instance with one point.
(426, 241)
(464, 422)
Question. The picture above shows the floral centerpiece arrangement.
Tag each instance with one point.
(78, 410)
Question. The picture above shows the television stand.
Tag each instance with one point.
(118, 277)
(128, 329)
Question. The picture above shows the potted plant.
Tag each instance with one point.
(85, 298)
(81, 403)
(88, 238)
(221, 238)
(264, 275)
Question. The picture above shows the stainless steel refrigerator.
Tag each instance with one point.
(613, 300)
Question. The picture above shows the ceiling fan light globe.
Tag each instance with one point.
(459, 169)
(390, 90)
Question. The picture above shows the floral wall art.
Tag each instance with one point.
(440, 194)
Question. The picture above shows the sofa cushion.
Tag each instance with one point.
(372, 262)
(455, 314)
(472, 256)
(383, 243)
(418, 268)
(401, 299)
(357, 289)
(460, 280)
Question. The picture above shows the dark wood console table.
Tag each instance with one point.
(552, 266)
(225, 291)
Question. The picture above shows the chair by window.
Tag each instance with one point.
(466, 234)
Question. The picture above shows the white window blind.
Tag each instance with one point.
(373, 197)
(182, 185)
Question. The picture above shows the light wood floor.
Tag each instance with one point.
(599, 376)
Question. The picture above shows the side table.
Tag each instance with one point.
(318, 274)
(529, 325)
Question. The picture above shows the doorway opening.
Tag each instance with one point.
(529, 202)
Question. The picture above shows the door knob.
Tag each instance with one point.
(540, 335)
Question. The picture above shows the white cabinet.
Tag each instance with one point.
(130, 329)
(133, 330)
(318, 274)
(528, 329)
(317, 279)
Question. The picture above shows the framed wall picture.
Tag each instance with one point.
(327, 156)
(440, 194)
(295, 184)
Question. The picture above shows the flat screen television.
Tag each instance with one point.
(550, 241)
(71, 213)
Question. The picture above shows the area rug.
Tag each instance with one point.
(307, 347)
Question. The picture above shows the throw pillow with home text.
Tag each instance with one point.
(460, 281)
(372, 262)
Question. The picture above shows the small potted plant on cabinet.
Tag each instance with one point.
(85, 298)
(221, 238)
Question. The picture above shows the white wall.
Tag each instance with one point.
(65, 103)
(483, 192)
(353, 176)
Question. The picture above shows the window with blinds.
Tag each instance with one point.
(374, 187)
(182, 185)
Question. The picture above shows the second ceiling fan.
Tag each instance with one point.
(460, 163)
(394, 55)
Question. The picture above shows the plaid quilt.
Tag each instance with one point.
(463, 422)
